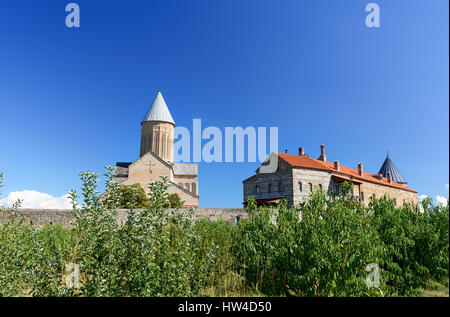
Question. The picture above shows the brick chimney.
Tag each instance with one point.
(389, 177)
(301, 151)
(336, 165)
(322, 156)
(360, 169)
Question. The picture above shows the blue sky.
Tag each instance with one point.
(72, 99)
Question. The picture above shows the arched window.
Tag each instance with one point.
(300, 187)
(194, 188)
(310, 187)
(320, 187)
(186, 186)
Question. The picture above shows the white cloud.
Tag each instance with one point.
(442, 200)
(422, 197)
(38, 200)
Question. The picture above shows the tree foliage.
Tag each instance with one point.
(132, 196)
(321, 247)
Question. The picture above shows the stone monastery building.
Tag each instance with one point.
(156, 157)
(297, 175)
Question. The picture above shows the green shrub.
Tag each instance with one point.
(132, 196)
(174, 201)
(322, 246)
(318, 248)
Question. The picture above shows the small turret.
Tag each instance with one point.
(389, 167)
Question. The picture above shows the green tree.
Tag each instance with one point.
(174, 201)
(132, 196)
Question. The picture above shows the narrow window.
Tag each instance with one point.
(300, 187)
(270, 188)
(257, 189)
(320, 187)
(310, 187)
(194, 188)
(362, 196)
(395, 201)
(186, 186)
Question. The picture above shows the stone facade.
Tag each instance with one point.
(400, 196)
(296, 176)
(271, 185)
(309, 179)
(157, 137)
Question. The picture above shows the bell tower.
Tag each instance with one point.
(157, 130)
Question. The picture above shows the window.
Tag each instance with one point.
(194, 188)
(362, 196)
(270, 188)
(257, 189)
(395, 201)
(320, 187)
(186, 186)
(310, 187)
(300, 187)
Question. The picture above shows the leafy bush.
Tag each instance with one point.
(318, 248)
(322, 246)
(151, 254)
(132, 196)
(174, 201)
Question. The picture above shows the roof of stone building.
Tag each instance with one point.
(158, 111)
(305, 161)
(121, 169)
(389, 166)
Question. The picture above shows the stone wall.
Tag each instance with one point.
(64, 217)
(308, 177)
(401, 196)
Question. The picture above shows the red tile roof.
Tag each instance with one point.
(305, 161)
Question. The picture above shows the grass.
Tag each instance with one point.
(436, 289)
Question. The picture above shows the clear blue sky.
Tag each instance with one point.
(72, 99)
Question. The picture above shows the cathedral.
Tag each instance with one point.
(156, 157)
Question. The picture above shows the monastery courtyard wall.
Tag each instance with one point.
(41, 217)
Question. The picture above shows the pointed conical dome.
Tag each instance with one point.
(389, 166)
(158, 111)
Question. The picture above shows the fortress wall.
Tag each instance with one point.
(41, 217)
